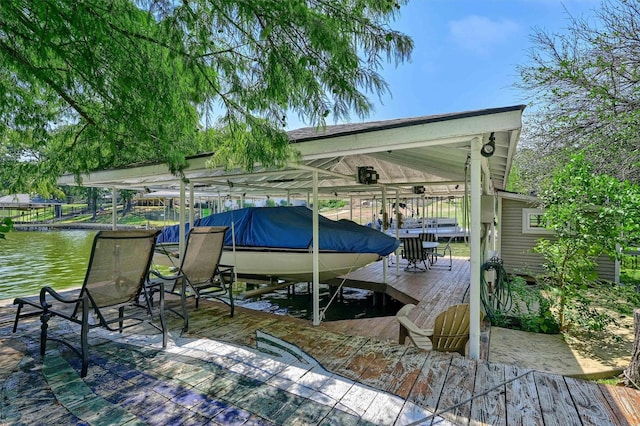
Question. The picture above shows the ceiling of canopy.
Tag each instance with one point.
(428, 151)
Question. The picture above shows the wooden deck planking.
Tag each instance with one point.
(342, 354)
(364, 351)
(592, 405)
(556, 403)
(434, 290)
(427, 388)
(521, 396)
(431, 380)
(313, 341)
(382, 361)
(405, 373)
(624, 402)
(489, 409)
(458, 387)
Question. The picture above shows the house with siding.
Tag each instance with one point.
(519, 227)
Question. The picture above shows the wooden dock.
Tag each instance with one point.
(365, 352)
(460, 390)
(432, 292)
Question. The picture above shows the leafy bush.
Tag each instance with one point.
(531, 308)
(590, 214)
(331, 204)
(5, 226)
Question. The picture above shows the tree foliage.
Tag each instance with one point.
(90, 84)
(591, 214)
(585, 91)
(6, 225)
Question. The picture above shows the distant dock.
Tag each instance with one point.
(60, 225)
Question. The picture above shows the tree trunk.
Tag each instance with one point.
(632, 373)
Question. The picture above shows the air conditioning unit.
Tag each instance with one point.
(418, 189)
(367, 176)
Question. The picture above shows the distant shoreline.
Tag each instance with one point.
(86, 226)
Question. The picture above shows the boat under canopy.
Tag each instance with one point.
(277, 241)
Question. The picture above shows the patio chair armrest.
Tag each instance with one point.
(152, 285)
(424, 332)
(225, 268)
(163, 277)
(162, 249)
(48, 290)
(412, 328)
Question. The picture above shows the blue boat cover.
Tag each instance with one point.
(291, 227)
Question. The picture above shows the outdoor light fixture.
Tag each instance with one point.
(489, 148)
(418, 189)
(367, 176)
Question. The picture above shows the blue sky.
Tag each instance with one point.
(465, 53)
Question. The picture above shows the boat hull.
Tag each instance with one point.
(291, 265)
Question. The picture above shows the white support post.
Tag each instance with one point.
(183, 213)
(192, 209)
(316, 256)
(383, 211)
(385, 261)
(423, 214)
(350, 207)
(474, 295)
(114, 208)
(498, 240)
(486, 189)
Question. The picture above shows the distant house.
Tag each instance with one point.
(29, 207)
(519, 229)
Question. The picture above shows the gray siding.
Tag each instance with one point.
(517, 248)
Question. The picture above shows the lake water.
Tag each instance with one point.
(30, 260)
(353, 304)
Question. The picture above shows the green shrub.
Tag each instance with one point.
(532, 308)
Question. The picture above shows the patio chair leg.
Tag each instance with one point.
(44, 319)
(15, 322)
(402, 335)
(163, 324)
(185, 315)
(231, 299)
(120, 315)
(84, 337)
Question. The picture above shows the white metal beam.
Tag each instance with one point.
(114, 208)
(183, 213)
(474, 294)
(316, 254)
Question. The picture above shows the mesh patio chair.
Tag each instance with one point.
(200, 274)
(443, 253)
(428, 237)
(450, 332)
(413, 252)
(110, 296)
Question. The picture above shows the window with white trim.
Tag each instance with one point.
(533, 222)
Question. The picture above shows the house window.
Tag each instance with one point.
(533, 222)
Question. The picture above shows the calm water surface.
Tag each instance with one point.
(354, 303)
(30, 260)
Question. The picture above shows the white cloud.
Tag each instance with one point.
(480, 34)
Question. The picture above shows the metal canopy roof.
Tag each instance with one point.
(430, 151)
